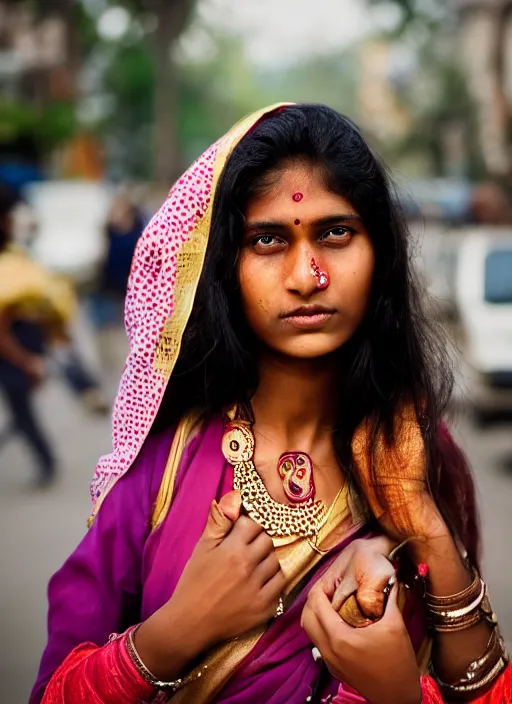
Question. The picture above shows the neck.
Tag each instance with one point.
(296, 398)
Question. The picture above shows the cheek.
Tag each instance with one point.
(356, 279)
(254, 287)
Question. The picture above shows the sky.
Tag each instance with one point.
(288, 30)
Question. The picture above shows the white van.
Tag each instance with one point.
(484, 302)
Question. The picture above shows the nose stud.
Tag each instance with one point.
(321, 276)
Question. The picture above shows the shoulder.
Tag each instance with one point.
(136, 490)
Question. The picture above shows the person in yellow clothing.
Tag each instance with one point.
(35, 309)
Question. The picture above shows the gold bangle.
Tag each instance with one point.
(461, 611)
(480, 673)
(459, 600)
(148, 676)
(465, 610)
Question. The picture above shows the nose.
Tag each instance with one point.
(299, 277)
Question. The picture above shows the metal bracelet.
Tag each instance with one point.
(464, 611)
(461, 611)
(148, 676)
(481, 672)
(461, 599)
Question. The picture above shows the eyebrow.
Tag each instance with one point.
(329, 220)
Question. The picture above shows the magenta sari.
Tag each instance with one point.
(122, 572)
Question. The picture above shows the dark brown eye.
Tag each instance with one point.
(341, 234)
(263, 244)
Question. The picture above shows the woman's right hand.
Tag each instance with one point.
(231, 584)
(377, 661)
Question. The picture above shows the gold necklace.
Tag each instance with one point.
(304, 520)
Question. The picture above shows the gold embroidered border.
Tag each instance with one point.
(163, 501)
(192, 252)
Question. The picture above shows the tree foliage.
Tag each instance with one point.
(414, 14)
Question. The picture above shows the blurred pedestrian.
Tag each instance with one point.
(65, 353)
(123, 228)
(35, 308)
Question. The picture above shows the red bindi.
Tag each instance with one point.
(297, 222)
(297, 197)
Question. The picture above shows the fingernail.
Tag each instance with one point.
(392, 580)
(316, 654)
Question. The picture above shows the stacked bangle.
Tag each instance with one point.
(458, 612)
(147, 676)
(480, 673)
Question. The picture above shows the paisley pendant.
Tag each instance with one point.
(296, 471)
(303, 518)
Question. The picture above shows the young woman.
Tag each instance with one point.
(280, 408)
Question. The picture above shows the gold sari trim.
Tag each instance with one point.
(187, 425)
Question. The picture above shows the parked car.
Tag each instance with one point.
(484, 301)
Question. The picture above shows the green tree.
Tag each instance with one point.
(43, 107)
(172, 17)
(432, 17)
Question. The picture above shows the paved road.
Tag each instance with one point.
(37, 531)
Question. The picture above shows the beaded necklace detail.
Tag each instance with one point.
(302, 519)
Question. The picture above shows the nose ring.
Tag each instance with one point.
(321, 276)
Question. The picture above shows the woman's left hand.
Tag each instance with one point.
(378, 661)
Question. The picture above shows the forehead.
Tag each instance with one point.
(296, 178)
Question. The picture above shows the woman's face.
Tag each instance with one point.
(306, 265)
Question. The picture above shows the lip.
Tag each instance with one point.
(309, 316)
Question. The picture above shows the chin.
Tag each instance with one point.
(309, 346)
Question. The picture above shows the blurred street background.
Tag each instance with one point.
(103, 103)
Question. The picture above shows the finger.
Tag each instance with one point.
(328, 619)
(218, 525)
(371, 591)
(273, 589)
(328, 583)
(310, 623)
(392, 609)
(346, 588)
(230, 505)
(261, 547)
(339, 567)
(246, 529)
(267, 569)
(351, 613)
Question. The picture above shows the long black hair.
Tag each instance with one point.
(397, 355)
